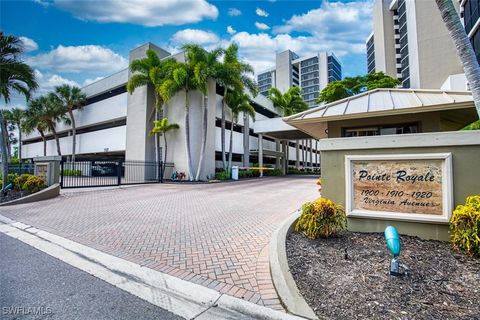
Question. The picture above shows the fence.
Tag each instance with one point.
(109, 173)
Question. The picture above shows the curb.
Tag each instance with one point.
(282, 278)
(186, 299)
(47, 193)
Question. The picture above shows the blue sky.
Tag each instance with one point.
(77, 42)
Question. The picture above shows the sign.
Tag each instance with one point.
(400, 187)
(41, 171)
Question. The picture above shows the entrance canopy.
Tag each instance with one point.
(279, 129)
(376, 103)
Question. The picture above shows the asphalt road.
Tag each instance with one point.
(34, 285)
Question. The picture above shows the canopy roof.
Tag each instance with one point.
(384, 102)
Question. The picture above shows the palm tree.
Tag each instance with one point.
(290, 102)
(238, 102)
(72, 98)
(16, 117)
(14, 76)
(233, 75)
(151, 71)
(206, 67)
(51, 111)
(162, 127)
(182, 78)
(464, 48)
(34, 122)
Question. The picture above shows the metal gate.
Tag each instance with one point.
(82, 174)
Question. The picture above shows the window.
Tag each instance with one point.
(380, 130)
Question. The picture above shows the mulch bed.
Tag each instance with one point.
(347, 277)
(12, 195)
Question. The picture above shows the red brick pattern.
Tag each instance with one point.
(215, 235)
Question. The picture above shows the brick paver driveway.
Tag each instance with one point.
(215, 235)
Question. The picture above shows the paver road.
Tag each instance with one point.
(215, 235)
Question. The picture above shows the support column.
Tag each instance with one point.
(303, 152)
(260, 152)
(311, 153)
(277, 159)
(246, 141)
(297, 154)
(316, 153)
(284, 162)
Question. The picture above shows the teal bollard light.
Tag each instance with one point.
(393, 243)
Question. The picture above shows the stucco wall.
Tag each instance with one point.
(466, 175)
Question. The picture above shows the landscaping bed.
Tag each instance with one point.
(347, 277)
(12, 195)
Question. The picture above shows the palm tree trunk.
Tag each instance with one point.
(54, 132)
(19, 144)
(187, 135)
(165, 154)
(464, 48)
(204, 136)
(4, 153)
(157, 140)
(222, 132)
(44, 142)
(230, 147)
(74, 134)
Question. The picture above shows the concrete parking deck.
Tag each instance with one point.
(215, 235)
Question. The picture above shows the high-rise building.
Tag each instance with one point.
(311, 73)
(370, 54)
(470, 13)
(412, 43)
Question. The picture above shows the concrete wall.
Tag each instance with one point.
(384, 40)
(283, 78)
(435, 51)
(464, 146)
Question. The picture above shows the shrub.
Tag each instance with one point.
(245, 174)
(224, 175)
(465, 227)
(321, 218)
(33, 184)
(72, 172)
(274, 172)
(10, 179)
(20, 181)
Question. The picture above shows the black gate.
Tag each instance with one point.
(82, 174)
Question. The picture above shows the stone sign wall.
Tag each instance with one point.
(402, 186)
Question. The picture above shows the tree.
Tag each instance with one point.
(71, 98)
(464, 48)
(151, 71)
(290, 102)
(50, 111)
(15, 76)
(162, 127)
(33, 121)
(238, 102)
(206, 68)
(351, 86)
(233, 74)
(16, 117)
(182, 78)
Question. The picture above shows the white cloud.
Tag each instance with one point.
(261, 26)
(29, 44)
(143, 12)
(261, 13)
(333, 20)
(194, 36)
(230, 30)
(234, 12)
(90, 58)
(47, 82)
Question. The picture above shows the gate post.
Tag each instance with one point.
(61, 173)
(119, 172)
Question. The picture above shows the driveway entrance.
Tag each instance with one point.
(215, 235)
